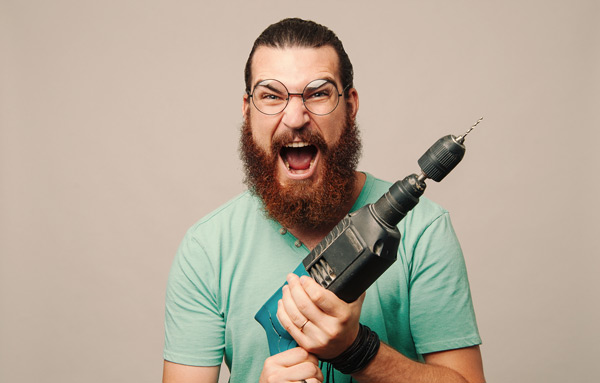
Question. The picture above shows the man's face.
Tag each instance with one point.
(295, 68)
(301, 165)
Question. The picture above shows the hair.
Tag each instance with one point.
(294, 32)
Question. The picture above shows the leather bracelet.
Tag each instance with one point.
(359, 354)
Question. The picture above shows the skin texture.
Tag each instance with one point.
(179, 373)
(322, 324)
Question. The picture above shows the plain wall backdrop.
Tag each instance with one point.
(119, 124)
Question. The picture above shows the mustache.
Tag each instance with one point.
(312, 137)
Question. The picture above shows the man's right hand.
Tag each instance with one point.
(294, 365)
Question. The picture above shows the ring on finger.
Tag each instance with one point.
(302, 327)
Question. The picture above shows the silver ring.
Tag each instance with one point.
(301, 328)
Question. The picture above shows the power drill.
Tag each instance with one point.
(364, 244)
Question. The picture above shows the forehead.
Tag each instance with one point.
(295, 66)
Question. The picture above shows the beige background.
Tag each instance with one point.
(118, 130)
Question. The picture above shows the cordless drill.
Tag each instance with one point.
(364, 244)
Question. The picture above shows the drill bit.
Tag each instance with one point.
(461, 139)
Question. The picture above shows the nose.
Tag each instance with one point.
(295, 114)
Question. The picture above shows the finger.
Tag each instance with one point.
(313, 358)
(296, 333)
(304, 371)
(317, 376)
(291, 357)
(298, 364)
(291, 309)
(294, 365)
(303, 301)
(325, 300)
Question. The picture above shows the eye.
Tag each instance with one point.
(322, 94)
(319, 90)
(269, 96)
(319, 93)
(266, 95)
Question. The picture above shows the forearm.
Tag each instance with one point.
(391, 366)
(179, 373)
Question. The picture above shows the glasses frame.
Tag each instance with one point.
(287, 100)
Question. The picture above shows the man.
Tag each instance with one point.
(300, 148)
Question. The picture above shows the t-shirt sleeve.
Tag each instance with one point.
(194, 323)
(441, 309)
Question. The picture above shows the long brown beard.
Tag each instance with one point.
(303, 204)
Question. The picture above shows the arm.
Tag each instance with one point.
(179, 373)
(331, 329)
(462, 365)
(194, 327)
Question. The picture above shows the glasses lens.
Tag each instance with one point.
(270, 96)
(321, 97)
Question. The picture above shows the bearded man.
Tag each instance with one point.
(300, 147)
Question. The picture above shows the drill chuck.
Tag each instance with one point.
(442, 157)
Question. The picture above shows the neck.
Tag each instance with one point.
(311, 237)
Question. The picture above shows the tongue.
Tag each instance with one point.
(298, 159)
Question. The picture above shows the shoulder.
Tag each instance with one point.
(244, 201)
(215, 233)
(234, 214)
(216, 242)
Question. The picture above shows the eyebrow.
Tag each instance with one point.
(270, 87)
(328, 78)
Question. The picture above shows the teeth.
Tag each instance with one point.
(297, 145)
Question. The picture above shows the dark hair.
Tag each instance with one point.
(296, 32)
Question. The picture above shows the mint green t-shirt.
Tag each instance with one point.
(230, 262)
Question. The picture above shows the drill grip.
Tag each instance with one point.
(277, 336)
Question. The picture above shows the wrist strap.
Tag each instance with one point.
(359, 354)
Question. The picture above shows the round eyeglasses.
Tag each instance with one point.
(320, 97)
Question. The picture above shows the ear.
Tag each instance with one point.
(352, 101)
(245, 106)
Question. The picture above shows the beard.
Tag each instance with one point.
(304, 204)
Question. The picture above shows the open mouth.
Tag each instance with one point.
(299, 157)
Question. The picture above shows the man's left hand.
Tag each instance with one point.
(316, 318)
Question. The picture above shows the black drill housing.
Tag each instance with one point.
(364, 244)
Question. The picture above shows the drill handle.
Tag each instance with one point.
(278, 338)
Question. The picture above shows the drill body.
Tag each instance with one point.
(364, 244)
